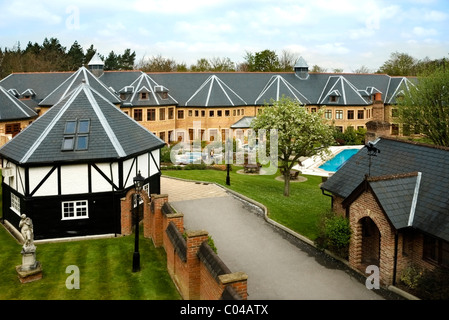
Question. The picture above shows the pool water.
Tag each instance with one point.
(338, 160)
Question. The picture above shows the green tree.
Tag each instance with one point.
(111, 62)
(300, 133)
(126, 60)
(201, 65)
(75, 57)
(425, 106)
(399, 64)
(266, 61)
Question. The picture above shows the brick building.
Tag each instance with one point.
(169, 104)
(397, 207)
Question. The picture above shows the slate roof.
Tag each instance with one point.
(243, 123)
(155, 97)
(215, 92)
(213, 89)
(42, 83)
(82, 74)
(112, 134)
(12, 108)
(396, 159)
(398, 197)
(277, 87)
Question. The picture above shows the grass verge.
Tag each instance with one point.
(105, 267)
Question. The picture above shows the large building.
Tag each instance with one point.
(70, 170)
(169, 104)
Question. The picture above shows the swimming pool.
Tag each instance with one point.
(338, 160)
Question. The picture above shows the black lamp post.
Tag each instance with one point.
(229, 153)
(138, 184)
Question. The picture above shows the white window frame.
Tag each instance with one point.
(146, 188)
(15, 204)
(77, 204)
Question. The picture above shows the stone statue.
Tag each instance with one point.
(26, 229)
(31, 269)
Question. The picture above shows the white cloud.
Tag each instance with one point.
(423, 32)
(333, 48)
(28, 11)
(435, 16)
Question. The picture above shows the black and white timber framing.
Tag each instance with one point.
(70, 168)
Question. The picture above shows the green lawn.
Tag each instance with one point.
(105, 271)
(299, 212)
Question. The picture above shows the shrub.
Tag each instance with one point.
(411, 276)
(334, 234)
(434, 285)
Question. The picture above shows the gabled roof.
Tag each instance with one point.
(397, 195)
(397, 158)
(12, 108)
(81, 75)
(155, 92)
(277, 87)
(111, 135)
(341, 87)
(396, 87)
(42, 83)
(243, 123)
(214, 92)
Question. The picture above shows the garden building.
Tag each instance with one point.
(397, 205)
(71, 168)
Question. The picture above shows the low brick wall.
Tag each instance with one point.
(197, 271)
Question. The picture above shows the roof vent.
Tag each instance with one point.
(302, 69)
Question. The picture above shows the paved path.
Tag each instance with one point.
(279, 266)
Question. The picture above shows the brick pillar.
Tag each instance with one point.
(126, 213)
(153, 224)
(238, 280)
(194, 241)
(355, 245)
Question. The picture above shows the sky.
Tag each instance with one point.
(345, 34)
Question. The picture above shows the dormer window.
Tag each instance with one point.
(143, 96)
(162, 91)
(333, 98)
(76, 135)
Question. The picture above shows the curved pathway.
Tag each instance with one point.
(279, 266)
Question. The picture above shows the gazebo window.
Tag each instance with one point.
(76, 135)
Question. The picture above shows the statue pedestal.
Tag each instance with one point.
(30, 270)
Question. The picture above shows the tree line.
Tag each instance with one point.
(52, 56)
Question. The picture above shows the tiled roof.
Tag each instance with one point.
(155, 92)
(215, 92)
(112, 134)
(209, 89)
(243, 123)
(12, 108)
(82, 75)
(397, 158)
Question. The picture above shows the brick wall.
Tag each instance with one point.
(195, 278)
(366, 206)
